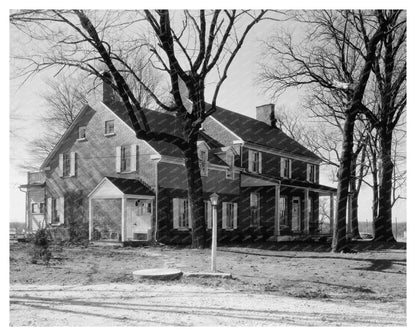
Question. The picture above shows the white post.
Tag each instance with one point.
(90, 218)
(214, 239)
(123, 217)
(306, 211)
(276, 211)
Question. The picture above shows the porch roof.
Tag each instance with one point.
(265, 180)
(117, 186)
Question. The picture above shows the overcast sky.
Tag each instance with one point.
(239, 93)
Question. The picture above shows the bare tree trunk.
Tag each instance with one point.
(339, 241)
(383, 224)
(354, 199)
(375, 190)
(195, 195)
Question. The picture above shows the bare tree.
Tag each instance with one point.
(336, 57)
(390, 71)
(185, 46)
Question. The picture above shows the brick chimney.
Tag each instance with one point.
(265, 113)
(109, 96)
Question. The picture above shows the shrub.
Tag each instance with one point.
(40, 249)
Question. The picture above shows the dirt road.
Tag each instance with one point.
(178, 304)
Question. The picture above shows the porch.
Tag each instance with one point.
(120, 210)
(301, 210)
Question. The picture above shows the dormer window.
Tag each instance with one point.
(203, 161)
(286, 168)
(203, 150)
(254, 161)
(311, 173)
(229, 159)
(82, 132)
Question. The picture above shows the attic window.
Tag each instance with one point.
(82, 132)
(109, 127)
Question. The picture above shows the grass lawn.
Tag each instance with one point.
(376, 272)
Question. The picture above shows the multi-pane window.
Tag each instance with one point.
(254, 161)
(82, 132)
(311, 173)
(203, 161)
(109, 127)
(66, 164)
(229, 215)
(124, 158)
(286, 168)
(38, 208)
(127, 158)
(229, 159)
(255, 209)
(181, 213)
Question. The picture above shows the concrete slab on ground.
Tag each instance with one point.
(158, 274)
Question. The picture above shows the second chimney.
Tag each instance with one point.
(265, 113)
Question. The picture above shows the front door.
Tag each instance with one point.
(140, 219)
(296, 214)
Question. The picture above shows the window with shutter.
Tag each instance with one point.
(49, 210)
(254, 161)
(73, 164)
(65, 163)
(229, 215)
(118, 159)
(181, 213)
(285, 168)
(134, 158)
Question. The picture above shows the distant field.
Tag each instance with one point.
(399, 229)
(19, 226)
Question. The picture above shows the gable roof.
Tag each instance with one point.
(259, 133)
(130, 186)
(80, 114)
(167, 123)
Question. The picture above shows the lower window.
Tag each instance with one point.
(229, 215)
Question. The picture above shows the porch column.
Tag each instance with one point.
(276, 210)
(331, 213)
(306, 212)
(90, 218)
(123, 217)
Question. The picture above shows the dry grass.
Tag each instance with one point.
(374, 273)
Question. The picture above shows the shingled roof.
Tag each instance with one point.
(258, 132)
(130, 186)
(249, 129)
(167, 123)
